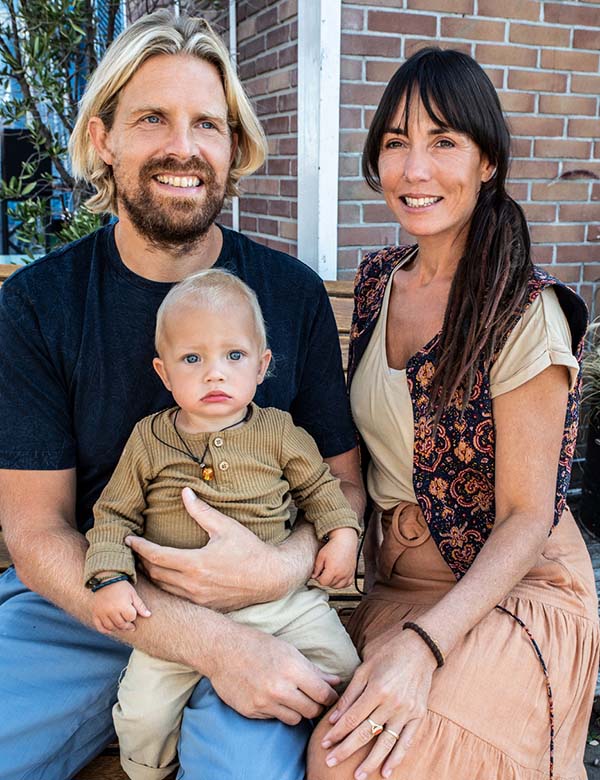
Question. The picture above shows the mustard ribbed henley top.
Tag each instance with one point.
(259, 468)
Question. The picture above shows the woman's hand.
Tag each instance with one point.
(391, 688)
(235, 569)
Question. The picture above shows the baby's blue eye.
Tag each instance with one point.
(235, 355)
(191, 359)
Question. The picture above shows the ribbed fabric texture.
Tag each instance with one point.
(258, 469)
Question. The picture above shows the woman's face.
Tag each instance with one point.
(430, 175)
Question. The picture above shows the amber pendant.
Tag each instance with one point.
(207, 473)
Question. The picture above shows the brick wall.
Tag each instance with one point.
(267, 61)
(543, 59)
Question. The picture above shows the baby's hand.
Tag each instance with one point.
(336, 560)
(116, 606)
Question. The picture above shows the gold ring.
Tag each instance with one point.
(376, 728)
(393, 733)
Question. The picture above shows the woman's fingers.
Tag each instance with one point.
(368, 729)
(401, 747)
(384, 744)
(347, 699)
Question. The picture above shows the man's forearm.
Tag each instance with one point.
(178, 630)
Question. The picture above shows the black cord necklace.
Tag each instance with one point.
(206, 472)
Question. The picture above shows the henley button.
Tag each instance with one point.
(223, 465)
(218, 442)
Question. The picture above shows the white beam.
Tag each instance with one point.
(319, 31)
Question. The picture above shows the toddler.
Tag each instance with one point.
(244, 460)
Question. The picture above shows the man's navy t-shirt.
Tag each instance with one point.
(76, 349)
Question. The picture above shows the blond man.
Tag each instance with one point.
(164, 134)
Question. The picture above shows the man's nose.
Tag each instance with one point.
(180, 141)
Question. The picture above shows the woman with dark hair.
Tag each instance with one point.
(479, 633)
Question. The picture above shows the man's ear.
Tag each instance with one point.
(99, 137)
(159, 367)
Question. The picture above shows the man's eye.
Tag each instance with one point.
(236, 355)
(207, 125)
(191, 359)
(152, 119)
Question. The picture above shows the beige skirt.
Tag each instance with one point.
(488, 713)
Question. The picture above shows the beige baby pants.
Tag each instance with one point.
(153, 693)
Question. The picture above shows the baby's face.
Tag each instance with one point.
(211, 362)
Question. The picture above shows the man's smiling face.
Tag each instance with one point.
(170, 148)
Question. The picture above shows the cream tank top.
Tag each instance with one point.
(382, 407)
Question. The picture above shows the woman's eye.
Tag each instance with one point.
(394, 144)
(207, 125)
(191, 359)
(445, 143)
(235, 355)
(152, 119)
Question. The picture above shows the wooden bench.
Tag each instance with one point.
(106, 766)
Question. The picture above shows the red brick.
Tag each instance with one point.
(370, 45)
(256, 205)
(261, 186)
(352, 18)
(579, 212)
(586, 292)
(582, 170)
(521, 147)
(278, 166)
(539, 34)
(562, 148)
(537, 126)
(247, 223)
(253, 47)
(517, 101)
(348, 213)
(496, 76)
(510, 9)
(277, 125)
(566, 273)
(449, 6)
(267, 62)
(569, 60)
(577, 253)
(288, 188)
(348, 260)
(542, 253)
(288, 146)
(560, 191)
(278, 81)
(287, 101)
(411, 45)
(570, 14)
(355, 189)
(533, 169)
(486, 54)
(586, 39)
(266, 20)
(361, 236)
(278, 207)
(352, 141)
(287, 9)
(536, 80)
(589, 84)
(266, 105)
(350, 118)
(376, 213)
(268, 226)
(288, 230)
(557, 234)
(279, 35)
(539, 212)
(401, 23)
(584, 128)
(472, 29)
(381, 70)
(246, 29)
(349, 165)
(360, 94)
(517, 190)
(567, 104)
(351, 70)
(287, 56)
(596, 191)
(591, 273)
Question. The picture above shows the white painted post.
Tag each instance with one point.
(319, 31)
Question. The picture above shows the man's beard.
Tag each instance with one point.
(172, 222)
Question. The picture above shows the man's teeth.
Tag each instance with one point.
(416, 203)
(179, 181)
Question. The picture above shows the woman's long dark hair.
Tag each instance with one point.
(490, 284)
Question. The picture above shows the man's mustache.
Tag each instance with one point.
(194, 166)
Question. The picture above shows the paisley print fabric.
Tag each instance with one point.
(453, 472)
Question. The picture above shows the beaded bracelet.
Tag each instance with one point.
(429, 641)
(110, 581)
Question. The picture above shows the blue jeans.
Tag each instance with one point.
(58, 682)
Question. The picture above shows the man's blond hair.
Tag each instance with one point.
(160, 33)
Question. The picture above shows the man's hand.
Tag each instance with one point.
(234, 570)
(264, 677)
